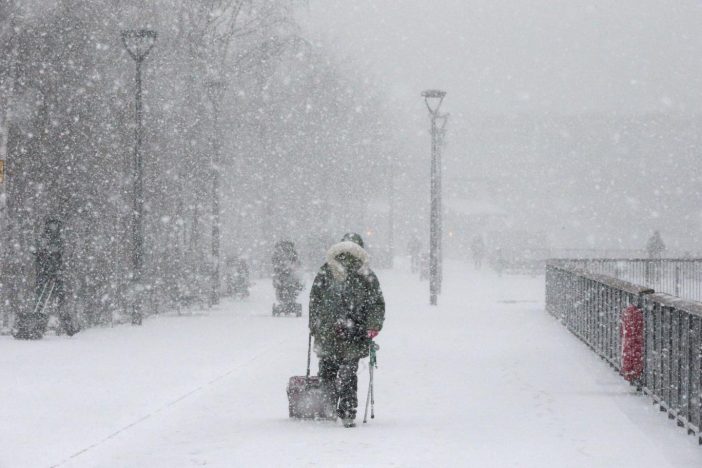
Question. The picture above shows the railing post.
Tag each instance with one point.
(647, 272)
(684, 369)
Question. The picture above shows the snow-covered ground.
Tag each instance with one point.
(485, 379)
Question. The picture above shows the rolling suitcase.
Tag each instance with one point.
(306, 400)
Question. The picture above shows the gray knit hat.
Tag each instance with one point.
(353, 237)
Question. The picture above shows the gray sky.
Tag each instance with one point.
(499, 56)
(596, 60)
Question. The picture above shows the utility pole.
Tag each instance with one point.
(138, 44)
(215, 91)
(5, 313)
(433, 99)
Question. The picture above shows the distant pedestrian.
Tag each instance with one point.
(347, 311)
(477, 248)
(286, 279)
(414, 247)
(424, 266)
(237, 277)
(500, 262)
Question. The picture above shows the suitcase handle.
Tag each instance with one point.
(309, 355)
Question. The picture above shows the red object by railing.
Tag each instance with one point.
(632, 332)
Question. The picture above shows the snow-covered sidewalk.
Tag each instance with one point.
(485, 379)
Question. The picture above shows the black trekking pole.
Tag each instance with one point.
(370, 398)
(309, 357)
(372, 392)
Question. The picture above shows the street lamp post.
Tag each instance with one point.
(215, 91)
(138, 44)
(391, 220)
(441, 120)
(433, 99)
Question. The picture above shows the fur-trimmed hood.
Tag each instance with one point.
(351, 248)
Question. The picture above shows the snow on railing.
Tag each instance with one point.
(591, 305)
(680, 277)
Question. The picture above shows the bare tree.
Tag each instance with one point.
(300, 138)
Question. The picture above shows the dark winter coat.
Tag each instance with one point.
(344, 305)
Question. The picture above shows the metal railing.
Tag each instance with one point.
(590, 305)
(673, 358)
(680, 277)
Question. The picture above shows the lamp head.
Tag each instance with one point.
(139, 42)
(433, 99)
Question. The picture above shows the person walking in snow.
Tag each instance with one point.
(414, 247)
(346, 312)
(286, 280)
(477, 247)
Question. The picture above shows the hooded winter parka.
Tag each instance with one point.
(345, 304)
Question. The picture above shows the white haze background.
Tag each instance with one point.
(579, 118)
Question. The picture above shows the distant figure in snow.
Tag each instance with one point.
(414, 247)
(347, 311)
(424, 266)
(655, 246)
(49, 287)
(286, 278)
(477, 248)
(237, 278)
(500, 261)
